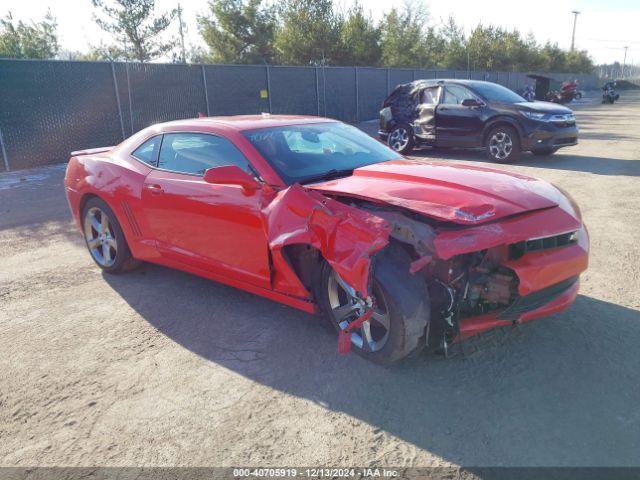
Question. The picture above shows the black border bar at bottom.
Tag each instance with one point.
(210, 473)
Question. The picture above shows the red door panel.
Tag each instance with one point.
(215, 227)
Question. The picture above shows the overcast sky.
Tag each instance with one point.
(604, 26)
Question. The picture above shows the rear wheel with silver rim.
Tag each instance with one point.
(401, 139)
(104, 237)
(503, 145)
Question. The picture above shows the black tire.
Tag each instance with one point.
(403, 296)
(120, 258)
(509, 134)
(544, 151)
(401, 139)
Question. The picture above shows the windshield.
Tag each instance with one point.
(304, 153)
(497, 93)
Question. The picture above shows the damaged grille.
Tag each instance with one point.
(535, 300)
(517, 250)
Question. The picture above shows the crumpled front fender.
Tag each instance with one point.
(346, 237)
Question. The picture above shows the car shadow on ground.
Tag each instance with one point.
(557, 161)
(550, 384)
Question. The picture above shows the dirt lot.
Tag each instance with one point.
(163, 368)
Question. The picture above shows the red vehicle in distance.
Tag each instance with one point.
(310, 212)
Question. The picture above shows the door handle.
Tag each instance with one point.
(153, 188)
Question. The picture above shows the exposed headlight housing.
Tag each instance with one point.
(540, 117)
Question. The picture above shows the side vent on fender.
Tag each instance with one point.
(135, 228)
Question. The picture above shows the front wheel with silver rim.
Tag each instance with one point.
(401, 139)
(503, 144)
(346, 306)
(104, 237)
(400, 301)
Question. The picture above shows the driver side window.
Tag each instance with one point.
(193, 153)
(455, 94)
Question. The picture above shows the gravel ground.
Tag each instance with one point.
(159, 367)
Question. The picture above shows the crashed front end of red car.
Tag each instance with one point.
(506, 250)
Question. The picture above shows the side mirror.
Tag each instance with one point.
(231, 175)
(471, 102)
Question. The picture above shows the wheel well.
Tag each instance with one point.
(304, 260)
(83, 201)
(501, 123)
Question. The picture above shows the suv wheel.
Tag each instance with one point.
(503, 145)
(401, 139)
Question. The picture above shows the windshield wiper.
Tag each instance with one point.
(328, 175)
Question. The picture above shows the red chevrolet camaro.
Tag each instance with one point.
(399, 254)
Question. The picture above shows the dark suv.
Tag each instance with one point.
(468, 113)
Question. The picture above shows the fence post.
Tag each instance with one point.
(129, 94)
(4, 153)
(324, 89)
(357, 99)
(388, 80)
(206, 92)
(269, 88)
(317, 90)
(115, 87)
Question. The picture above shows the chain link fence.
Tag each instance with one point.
(49, 108)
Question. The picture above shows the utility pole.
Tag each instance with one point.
(183, 52)
(573, 35)
(624, 62)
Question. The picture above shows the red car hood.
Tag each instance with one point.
(455, 193)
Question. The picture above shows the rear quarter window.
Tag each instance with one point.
(148, 151)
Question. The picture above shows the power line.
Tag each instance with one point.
(620, 48)
(609, 40)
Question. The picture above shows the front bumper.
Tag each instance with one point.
(548, 283)
(476, 325)
(548, 135)
(384, 136)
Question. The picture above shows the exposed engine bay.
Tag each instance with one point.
(463, 286)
